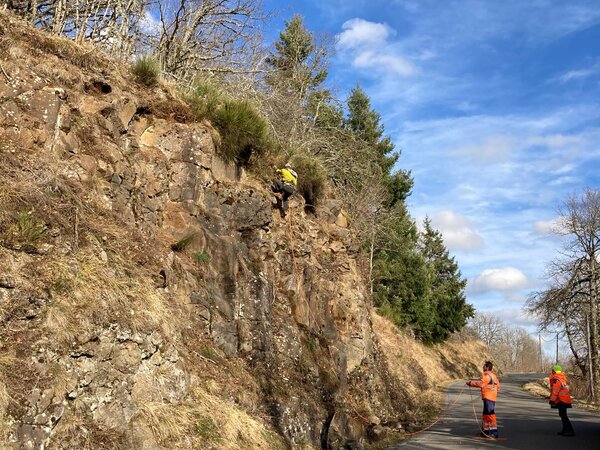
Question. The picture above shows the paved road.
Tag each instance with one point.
(524, 422)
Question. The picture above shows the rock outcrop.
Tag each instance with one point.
(284, 298)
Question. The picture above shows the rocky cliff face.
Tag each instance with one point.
(147, 287)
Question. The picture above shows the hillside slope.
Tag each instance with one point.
(151, 298)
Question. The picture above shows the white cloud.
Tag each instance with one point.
(149, 24)
(546, 226)
(505, 279)
(557, 141)
(362, 33)
(458, 231)
(497, 148)
(367, 45)
(391, 63)
(516, 317)
(427, 55)
(575, 75)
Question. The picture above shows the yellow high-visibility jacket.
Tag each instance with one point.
(289, 176)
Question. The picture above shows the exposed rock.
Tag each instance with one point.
(7, 282)
(284, 299)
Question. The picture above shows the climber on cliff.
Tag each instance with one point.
(285, 184)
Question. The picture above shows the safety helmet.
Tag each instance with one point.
(556, 368)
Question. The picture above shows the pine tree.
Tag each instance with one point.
(365, 122)
(401, 276)
(299, 62)
(447, 285)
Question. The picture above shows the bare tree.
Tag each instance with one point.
(570, 304)
(206, 35)
(513, 349)
(487, 326)
(113, 25)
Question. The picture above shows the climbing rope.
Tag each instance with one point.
(441, 416)
(448, 409)
(479, 425)
(295, 264)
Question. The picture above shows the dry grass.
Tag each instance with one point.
(541, 388)
(209, 423)
(423, 370)
(8, 363)
(74, 431)
(85, 56)
(90, 293)
(87, 291)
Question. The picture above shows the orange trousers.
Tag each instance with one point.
(490, 425)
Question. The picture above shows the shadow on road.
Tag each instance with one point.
(524, 422)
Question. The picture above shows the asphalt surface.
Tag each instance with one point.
(525, 422)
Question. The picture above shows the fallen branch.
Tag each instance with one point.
(8, 79)
(205, 358)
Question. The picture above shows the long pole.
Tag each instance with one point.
(589, 346)
(556, 360)
(540, 351)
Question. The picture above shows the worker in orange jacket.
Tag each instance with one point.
(560, 398)
(489, 385)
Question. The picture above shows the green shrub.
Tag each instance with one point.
(201, 257)
(182, 244)
(26, 229)
(312, 178)
(244, 131)
(206, 429)
(147, 70)
(204, 99)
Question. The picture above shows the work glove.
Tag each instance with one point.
(468, 383)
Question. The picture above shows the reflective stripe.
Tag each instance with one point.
(489, 422)
(560, 390)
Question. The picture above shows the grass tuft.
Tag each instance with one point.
(147, 70)
(182, 244)
(312, 179)
(209, 422)
(244, 131)
(25, 228)
(200, 257)
(204, 99)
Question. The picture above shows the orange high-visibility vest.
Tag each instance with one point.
(489, 385)
(559, 389)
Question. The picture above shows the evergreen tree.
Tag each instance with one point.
(299, 62)
(447, 285)
(401, 276)
(365, 122)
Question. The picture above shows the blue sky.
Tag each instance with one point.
(495, 107)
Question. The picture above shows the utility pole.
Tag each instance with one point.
(590, 362)
(540, 351)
